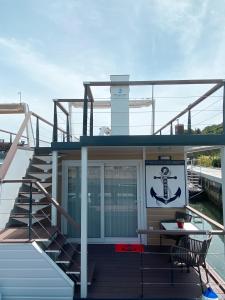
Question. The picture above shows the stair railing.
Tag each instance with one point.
(52, 201)
(13, 149)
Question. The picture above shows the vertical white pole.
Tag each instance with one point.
(223, 181)
(84, 214)
(54, 186)
(144, 209)
(153, 117)
(186, 178)
(222, 152)
(29, 130)
(70, 119)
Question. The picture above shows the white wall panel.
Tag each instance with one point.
(27, 272)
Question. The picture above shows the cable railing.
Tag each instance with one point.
(34, 183)
(38, 134)
(88, 116)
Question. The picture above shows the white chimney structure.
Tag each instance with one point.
(119, 106)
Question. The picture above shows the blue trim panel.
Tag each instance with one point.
(154, 140)
(142, 140)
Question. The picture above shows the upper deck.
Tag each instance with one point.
(142, 113)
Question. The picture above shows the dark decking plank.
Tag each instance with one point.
(117, 275)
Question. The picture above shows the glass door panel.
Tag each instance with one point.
(94, 200)
(120, 201)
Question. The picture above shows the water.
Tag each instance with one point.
(216, 255)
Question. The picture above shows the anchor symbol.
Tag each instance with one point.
(165, 175)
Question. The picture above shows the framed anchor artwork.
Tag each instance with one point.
(165, 183)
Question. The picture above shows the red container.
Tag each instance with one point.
(180, 224)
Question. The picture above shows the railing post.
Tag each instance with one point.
(85, 111)
(189, 122)
(91, 119)
(224, 108)
(171, 128)
(67, 128)
(55, 125)
(30, 214)
(10, 138)
(84, 222)
(54, 186)
(37, 133)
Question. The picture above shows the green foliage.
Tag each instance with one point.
(210, 158)
(205, 161)
(213, 129)
(216, 162)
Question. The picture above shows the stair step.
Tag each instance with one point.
(57, 244)
(45, 158)
(24, 218)
(36, 196)
(43, 167)
(44, 184)
(40, 176)
(35, 206)
(67, 253)
(74, 269)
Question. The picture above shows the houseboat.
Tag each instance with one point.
(102, 210)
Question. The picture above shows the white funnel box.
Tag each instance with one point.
(119, 106)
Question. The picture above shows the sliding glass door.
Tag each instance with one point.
(120, 199)
(94, 197)
(112, 200)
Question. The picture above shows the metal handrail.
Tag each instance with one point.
(59, 209)
(192, 105)
(206, 218)
(47, 122)
(12, 151)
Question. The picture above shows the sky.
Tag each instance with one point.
(49, 47)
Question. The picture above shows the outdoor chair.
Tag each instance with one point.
(190, 253)
(178, 215)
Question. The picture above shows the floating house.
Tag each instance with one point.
(86, 215)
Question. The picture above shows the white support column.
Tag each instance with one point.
(29, 130)
(223, 180)
(186, 178)
(54, 186)
(70, 109)
(153, 117)
(144, 222)
(84, 221)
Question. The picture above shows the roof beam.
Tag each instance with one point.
(154, 82)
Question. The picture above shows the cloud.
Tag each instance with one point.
(184, 18)
(40, 69)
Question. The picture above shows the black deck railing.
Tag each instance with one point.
(87, 104)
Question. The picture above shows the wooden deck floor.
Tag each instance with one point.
(118, 275)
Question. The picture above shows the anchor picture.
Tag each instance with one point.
(165, 184)
(165, 176)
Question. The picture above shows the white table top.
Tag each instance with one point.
(173, 226)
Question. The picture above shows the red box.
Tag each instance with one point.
(129, 248)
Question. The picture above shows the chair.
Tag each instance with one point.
(190, 253)
(178, 215)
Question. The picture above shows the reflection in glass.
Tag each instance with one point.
(120, 191)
